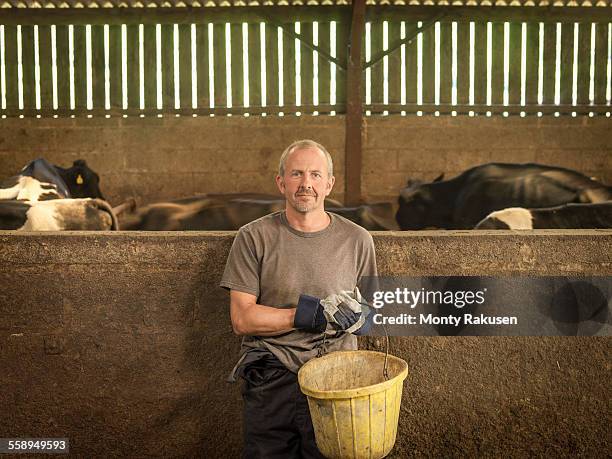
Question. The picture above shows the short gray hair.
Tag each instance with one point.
(304, 144)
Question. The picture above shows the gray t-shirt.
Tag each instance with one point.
(277, 263)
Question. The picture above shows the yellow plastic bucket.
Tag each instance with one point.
(354, 408)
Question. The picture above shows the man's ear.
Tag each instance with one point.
(280, 183)
(330, 185)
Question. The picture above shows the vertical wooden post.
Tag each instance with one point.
(354, 108)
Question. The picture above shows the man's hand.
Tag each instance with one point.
(348, 312)
(345, 311)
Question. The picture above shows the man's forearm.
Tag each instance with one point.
(261, 320)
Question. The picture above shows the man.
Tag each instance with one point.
(288, 258)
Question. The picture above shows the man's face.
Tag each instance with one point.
(306, 182)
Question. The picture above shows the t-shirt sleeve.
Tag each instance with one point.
(367, 272)
(368, 258)
(242, 267)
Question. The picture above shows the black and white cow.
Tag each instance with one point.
(463, 201)
(57, 215)
(40, 180)
(570, 216)
(217, 212)
(44, 197)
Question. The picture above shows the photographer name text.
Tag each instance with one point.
(431, 319)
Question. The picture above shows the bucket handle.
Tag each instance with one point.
(385, 366)
(322, 350)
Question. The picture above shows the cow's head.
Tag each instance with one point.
(418, 206)
(81, 180)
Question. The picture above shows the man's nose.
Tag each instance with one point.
(306, 182)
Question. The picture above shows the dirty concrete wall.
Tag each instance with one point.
(122, 343)
(154, 159)
(423, 147)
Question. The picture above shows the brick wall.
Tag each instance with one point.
(161, 158)
(398, 148)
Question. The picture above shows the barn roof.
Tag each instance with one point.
(239, 3)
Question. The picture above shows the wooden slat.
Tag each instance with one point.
(532, 63)
(167, 65)
(10, 57)
(463, 63)
(46, 67)
(411, 65)
(446, 63)
(395, 64)
(254, 65)
(220, 94)
(567, 62)
(289, 67)
(237, 66)
(549, 63)
(223, 14)
(150, 66)
(494, 109)
(342, 40)
(376, 46)
(392, 108)
(324, 64)
(185, 71)
(28, 67)
(480, 63)
(514, 76)
(272, 71)
(63, 67)
(429, 61)
(202, 62)
(486, 13)
(601, 61)
(97, 65)
(584, 63)
(497, 67)
(306, 64)
(80, 68)
(114, 66)
(133, 67)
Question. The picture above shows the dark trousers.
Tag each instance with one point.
(277, 421)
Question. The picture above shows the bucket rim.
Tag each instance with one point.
(357, 391)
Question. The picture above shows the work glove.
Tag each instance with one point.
(343, 312)
(347, 312)
(309, 315)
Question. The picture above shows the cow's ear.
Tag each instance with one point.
(79, 162)
(439, 178)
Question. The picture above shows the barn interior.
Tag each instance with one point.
(121, 341)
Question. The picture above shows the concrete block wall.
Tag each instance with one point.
(122, 343)
(396, 148)
(154, 159)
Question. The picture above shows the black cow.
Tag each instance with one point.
(571, 216)
(40, 180)
(81, 180)
(217, 212)
(461, 202)
(57, 215)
